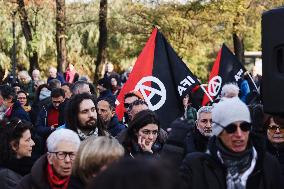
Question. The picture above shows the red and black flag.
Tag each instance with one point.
(226, 69)
(161, 77)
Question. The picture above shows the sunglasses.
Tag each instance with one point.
(135, 103)
(231, 128)
(274, 128)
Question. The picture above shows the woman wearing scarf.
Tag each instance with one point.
(236, 158)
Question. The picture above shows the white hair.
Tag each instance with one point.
(52, 68)
(36, 71)
(230, 90)
(204, 109)
(24, 74)
(60, 135)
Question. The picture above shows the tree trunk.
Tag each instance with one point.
(239, 48)
(33, 56)
(102, 43)
(61, 36)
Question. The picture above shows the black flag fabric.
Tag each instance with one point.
(161, 77)
(226, 69)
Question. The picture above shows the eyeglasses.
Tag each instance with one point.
(148, 132)
(231, 128)
(136, 103)
(22, 98)
(274, 128)
(62, 155)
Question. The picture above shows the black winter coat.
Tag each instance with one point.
(12, 171)
(201, 170)
(114, 127)
(195, 142)
(9, 179)
(37, 179)
(278, 153)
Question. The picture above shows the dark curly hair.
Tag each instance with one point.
(11, 131)
(140, 120)
(72, 111)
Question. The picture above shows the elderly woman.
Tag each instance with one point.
(142, 135)
(15, 151)
(94, 155)
(275, 138)
(53, 169)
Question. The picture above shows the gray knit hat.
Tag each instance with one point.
(228, 111)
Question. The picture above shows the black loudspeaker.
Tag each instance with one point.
(273, 61)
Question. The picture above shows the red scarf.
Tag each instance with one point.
(54, 181)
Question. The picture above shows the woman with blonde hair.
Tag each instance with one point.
(94, 155)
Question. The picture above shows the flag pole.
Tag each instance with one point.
(204, 90)
(252, 81)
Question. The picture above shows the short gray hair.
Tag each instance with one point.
(204, 109)
(230, 88)
(77, 86)
(60, 135)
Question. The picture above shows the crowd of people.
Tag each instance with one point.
(64, 133)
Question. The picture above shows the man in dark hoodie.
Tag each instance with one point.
(106, 111)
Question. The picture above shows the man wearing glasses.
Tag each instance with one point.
(235, 158)
(53, 170)
(129, 98)
(275, 138)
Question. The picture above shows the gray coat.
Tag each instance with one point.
(9, 179)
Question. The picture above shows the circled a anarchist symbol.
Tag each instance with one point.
(153, 91)
(214, 85)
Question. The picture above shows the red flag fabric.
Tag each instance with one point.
(161, 77)
(226, 69)
(143, 67)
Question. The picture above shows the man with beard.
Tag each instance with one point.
(106, 111)
(82, 117)
(197, 140)
(275, 138)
